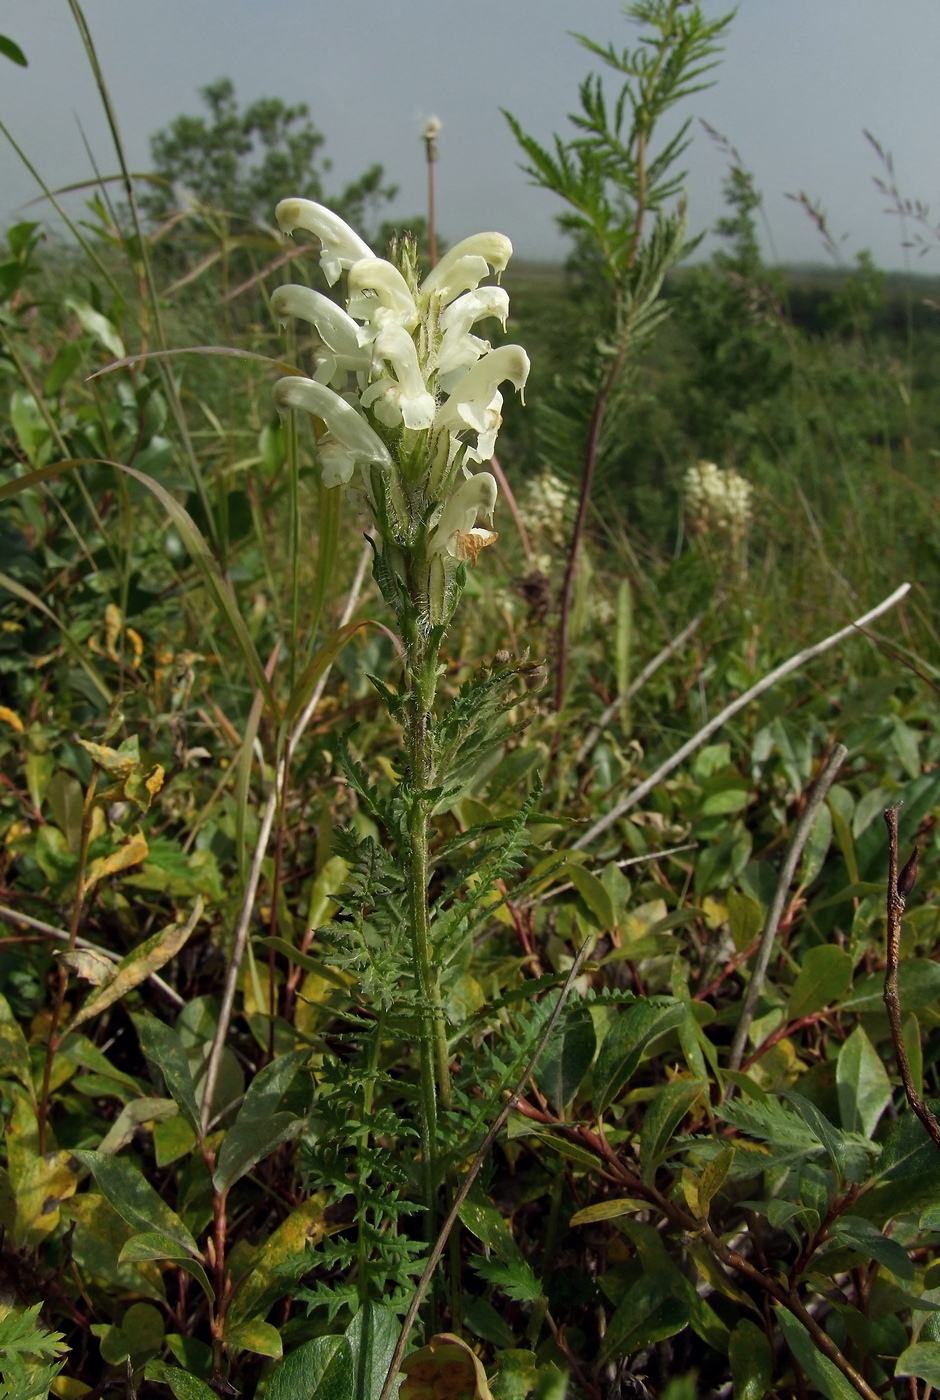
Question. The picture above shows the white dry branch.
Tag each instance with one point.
(795, 662)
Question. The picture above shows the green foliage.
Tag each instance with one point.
(648, 1210)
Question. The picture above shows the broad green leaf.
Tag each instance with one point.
(66, 800)
(921, 1360)
(94, 324)
(647, 1313)
(269, 1086)
(594, 894)
(745, 919)
(302, 1372)
(845, 841)
(825, 976)
(256, 1336)
(98, 1236)
(482, 1319)
(816, 848)
(42, 1187)
(629, 1037)
(862, 1084)
(14, 1051)
(135, 1199)
(172, 1139)
(918, 986)
(568, 1056)
(248, 1143)
(752, 1362)
(155, 952)
(164, 1049)
(661, 1120)
(516, 1374)
(859, 1234)
(152, 1245)
(492, 1229)
(820, 1370)
(371, 1337)
(130, 1118)
(194, 1356)
(183, 1385)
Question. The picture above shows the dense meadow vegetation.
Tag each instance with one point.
(541, 919)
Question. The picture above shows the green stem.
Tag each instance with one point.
(435, 1062)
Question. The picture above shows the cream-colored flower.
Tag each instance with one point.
(457, 532)
(459, 349)
(340, 246)
(349, 441)
(339, 332)
(404, 399)
(464, 266)
(378, 294)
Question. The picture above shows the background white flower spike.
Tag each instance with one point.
(340, 247)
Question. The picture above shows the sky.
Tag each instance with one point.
(799, 83)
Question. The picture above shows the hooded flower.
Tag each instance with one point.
(405, 399)
(339, 332)
(349, 441)
(457, 532)
(459, 349)
(340, 247)
(476, 402)
(464, 266)
(377, 294)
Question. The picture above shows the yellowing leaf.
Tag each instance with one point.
(90, 966)
(132, 852)
(45, 1184)
(155, 952)
(446, 1369)
(12, 719)
(284, 1257)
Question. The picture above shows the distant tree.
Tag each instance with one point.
(238, 162)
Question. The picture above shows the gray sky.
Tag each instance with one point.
(799, 82)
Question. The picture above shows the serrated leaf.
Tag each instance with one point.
(862, 1084)
(635, 1028)
(568, 1056)
(661, 1120)
(135, 1199)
